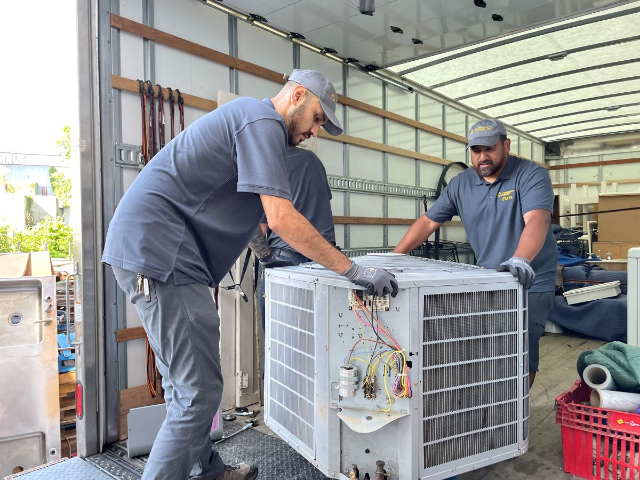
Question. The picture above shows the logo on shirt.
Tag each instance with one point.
(504, 196)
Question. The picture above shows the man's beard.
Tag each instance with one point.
(294, 124)
(488, 170)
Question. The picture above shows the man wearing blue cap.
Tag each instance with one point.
(505, 204)
(181, 226)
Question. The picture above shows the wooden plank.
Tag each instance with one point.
(122, 83)
(66, 388)
(365, 107)
(346, 220)
(68, 377)
(164, 38)
(595, 184)
(381, 147)
(68, 441)
(595, 164)
(137, 397)
(67, 403)
(342, 220)
(128, 334)
(186, 46)
(133, 398)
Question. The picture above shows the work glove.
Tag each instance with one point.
(272, 262)
(519, 268)
(376, 281)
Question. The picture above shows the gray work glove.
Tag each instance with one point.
(272, 262)
(519, 268)
(376, 281)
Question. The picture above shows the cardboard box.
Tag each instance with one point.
(619, 226)
(34, 264)
(619, 250)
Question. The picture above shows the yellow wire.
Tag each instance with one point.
(386, 390)
(371, 368)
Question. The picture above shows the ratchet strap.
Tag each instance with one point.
(237, 286)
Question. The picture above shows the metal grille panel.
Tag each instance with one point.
(470, 374)
(292, 360)
(525, 362)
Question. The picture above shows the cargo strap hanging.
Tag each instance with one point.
(152, 372)
(151, 123)
(154, 135)
(144, 154)
(171, 105)
(237, 286)
(181, 109)
(161, 135)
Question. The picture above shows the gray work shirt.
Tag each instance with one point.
(492, 215)
(311, 194)
(194, 207)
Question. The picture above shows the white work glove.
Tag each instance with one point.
(519, 268)
(376, 281)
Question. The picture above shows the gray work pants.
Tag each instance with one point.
(183, 329)
(539, 305)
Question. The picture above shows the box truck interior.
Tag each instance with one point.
(412, 77)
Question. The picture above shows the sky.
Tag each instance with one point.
(39, 75)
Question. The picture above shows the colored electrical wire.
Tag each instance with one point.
(391, 355)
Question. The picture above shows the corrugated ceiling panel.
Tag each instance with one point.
(415, 63)
(581, 95)
(590, 125)
(615, 29)
(558, 83)
(602, 131)
(571, 110)
(541, 69)
(542, 122)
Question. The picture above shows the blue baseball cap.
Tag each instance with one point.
(486, 133)
(322, 88)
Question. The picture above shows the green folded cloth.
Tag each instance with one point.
(622, 360)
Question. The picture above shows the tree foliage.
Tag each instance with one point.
(64, 143)
(57, 234)
(61, 184)
(6, 245)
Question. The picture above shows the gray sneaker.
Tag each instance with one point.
(242, 471)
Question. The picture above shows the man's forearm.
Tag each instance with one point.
(300, 234)
(419, 233)
(532, 238)
(259, 245)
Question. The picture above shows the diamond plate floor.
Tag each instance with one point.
(69, 469)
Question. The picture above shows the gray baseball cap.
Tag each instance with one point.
(486, 133)
(321, 87)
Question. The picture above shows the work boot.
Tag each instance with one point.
(242, 471)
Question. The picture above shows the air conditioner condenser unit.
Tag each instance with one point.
(433, 383)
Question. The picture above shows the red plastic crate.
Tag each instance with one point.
(597, 444)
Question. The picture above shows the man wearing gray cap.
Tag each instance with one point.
(181, 226)
(505, 204)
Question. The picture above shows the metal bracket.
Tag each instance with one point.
(128, 155)
(357, 185)
(242, 380)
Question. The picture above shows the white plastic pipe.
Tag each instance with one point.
(599, 377)
(610, 400)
